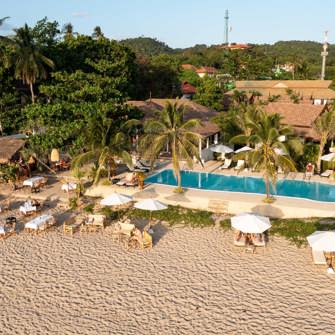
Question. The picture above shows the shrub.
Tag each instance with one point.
(174, 215)
(89, 208)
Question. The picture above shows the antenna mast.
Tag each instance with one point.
(324, 55)
(226, 31)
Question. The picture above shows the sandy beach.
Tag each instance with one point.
(194, 281)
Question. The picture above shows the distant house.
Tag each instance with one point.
(236, 46)
(10, 148)
(316, 92)
(189, 67)
(208, 129)
(187, 90)
(299, 116)
(206, 71)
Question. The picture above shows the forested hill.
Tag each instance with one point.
(147, 46)
(282, 51)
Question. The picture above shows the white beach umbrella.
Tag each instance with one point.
(244, 149)
(116, 199)
(150, 205)
(328, 157)
(221, 148)
(322, 241)
(250, 223)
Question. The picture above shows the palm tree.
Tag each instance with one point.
(97, 33)
(269, 152)
(324, 126)
(68, 31)
(28, 60)
(106, 147)
(171, 129)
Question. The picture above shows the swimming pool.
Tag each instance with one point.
(218, 182)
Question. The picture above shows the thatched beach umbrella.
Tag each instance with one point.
(54, 157)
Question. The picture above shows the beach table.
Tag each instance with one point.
(69, 187)
(35, 182)
(27, 209)
(40, 223)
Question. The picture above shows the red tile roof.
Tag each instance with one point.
(188, 67)
(299, 116)
(207, 69)
(187, 88)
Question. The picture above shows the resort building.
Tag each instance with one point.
(10, 149)
(187, 90)
(209, 131)
(299, 116)
(316, 92)
(206, 71)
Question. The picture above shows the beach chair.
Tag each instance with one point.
(142, 167)
(71, 226)
(240, 239)
(126, 180)
(140, 240)
(122, 231)
(240, 165)
(93, 223)
(8, 229)
(326, 174)
(226, 164)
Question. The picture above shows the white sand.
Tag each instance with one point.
(193, 282)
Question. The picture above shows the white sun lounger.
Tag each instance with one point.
(318, 257)
(240, 164)
(326, 173)
(40, 223)
(226, 164)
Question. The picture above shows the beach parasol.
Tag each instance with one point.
(54, 157)
(223, 149)
(328, 157)
(116, 199)
(250, 223)
(150, 205)
(243, 149)
(322, 241)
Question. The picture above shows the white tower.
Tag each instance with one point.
(324, 55)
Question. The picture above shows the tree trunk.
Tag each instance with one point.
(321, 147)
(32, 93)
(267, 187)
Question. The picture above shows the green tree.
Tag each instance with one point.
(209, 93)
(324, 126)
(171, 129)
(27, 59)
(266, 156)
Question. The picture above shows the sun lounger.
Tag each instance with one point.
(71, 226)
(40, 223)
(35, 182)
(128, 179)
(28, 209)
(240, 243)
(7, 229)
(326, 174)
(240, 165)
(140, 166)
(226, 164)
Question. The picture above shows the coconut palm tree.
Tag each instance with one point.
(68, 31)
(171, 129)
(106, 146)
(269, 152)
(97, 33)
(28, 61)
(324, 126)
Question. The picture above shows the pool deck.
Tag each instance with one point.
(228, 202)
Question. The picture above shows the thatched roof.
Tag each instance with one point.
(193, 111)
(9, 146)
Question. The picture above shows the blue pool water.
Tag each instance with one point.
(217, 182)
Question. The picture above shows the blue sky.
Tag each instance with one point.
(182, 23)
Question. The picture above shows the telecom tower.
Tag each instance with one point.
(226, 31)
(324, 55)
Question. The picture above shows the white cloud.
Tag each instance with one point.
(80, 14)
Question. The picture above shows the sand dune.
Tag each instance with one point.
(193, 282)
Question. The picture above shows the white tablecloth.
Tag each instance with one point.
(41, 222)
(33, 181)
(69, 187)
(26, 209)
